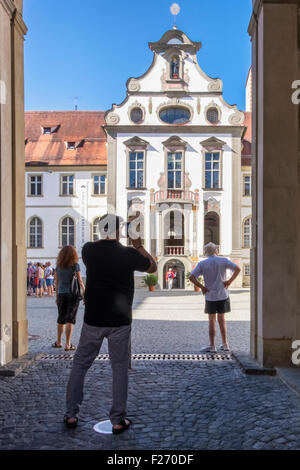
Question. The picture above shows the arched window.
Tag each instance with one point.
(212, 115)
(247, 229)
(174, 67)
(67, 231)
(136, 115)
(175, 115)
(96, 231)
(35, 233)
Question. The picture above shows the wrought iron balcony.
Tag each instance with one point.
(175, 195)
(174, 250)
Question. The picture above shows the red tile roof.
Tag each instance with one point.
(248, 124)
(82, 127)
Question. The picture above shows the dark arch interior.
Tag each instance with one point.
(212, 228)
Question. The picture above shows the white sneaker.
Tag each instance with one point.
(224, 348)
(208, 349)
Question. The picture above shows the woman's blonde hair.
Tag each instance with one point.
(67, 257)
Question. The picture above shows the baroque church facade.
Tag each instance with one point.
(175, 150)
(173, 158)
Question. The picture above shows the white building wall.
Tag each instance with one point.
(155, 164)
(51, 208)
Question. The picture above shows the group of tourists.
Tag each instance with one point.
(40, 279)
(108, 308)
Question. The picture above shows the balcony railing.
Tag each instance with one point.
(175, 195)
(174, 250)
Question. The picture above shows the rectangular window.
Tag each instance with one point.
(67, 185)
(35, 185)
(175, 170)
(212, 170)
(247, 185)
(46, 130)
(99, 184)
(136, 169)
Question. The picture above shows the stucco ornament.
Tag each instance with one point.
(215, 85)
(212, 205)
(161, 181)
(236, 118)
(187, 181)
(113, 119)
(134, 85)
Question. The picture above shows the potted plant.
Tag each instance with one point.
(151, 280)
(200, 279)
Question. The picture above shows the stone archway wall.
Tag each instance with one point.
(179, 270)
(13, 321)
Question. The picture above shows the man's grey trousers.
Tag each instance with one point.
(89, 346)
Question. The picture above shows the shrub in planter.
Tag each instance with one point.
(151, 280)
(200, 279)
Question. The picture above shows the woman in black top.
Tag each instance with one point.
(66, 265)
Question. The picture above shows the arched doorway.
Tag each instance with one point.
(174, 233)
(179, 270)
(212, 228)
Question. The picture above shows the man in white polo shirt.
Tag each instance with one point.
(215, 290)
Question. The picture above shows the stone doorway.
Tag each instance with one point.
(179, 270)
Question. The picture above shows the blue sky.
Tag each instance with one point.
(89, 48)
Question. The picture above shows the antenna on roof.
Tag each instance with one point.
(76, 103)
(174, 9)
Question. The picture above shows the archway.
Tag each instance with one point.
(179, 270)
(268, 25)
(174, 233)
(212, 228)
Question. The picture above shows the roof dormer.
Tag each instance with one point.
(49, 129)
(73, 144)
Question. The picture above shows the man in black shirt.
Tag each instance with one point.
(109, 294)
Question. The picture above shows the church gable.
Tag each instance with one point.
(174, 90)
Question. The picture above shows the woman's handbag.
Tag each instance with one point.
(76, 289)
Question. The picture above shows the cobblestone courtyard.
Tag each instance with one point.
(174, 405)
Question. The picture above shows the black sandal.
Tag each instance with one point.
(124, 426)
(56, 345)
(70, 425)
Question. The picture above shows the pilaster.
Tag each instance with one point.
(276, 252)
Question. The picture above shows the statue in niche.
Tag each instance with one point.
(175, 67)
